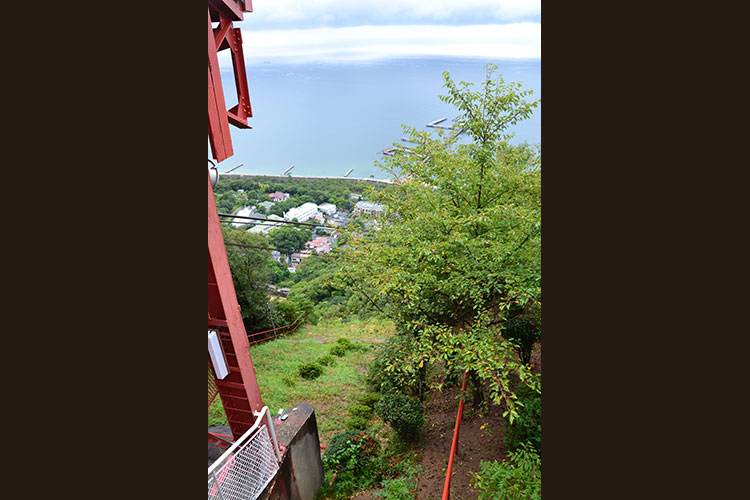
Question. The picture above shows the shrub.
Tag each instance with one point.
(524, 330)
(357, 423)
(345, 343)
(527, 427)
(369, 399)
(360, 346)
(310, 371)
(519, 477)
(327, 360)
(393, 370)
(289, 380)
(349, 451)
(337, 350)
(404, 414)
(360, 464)
(360, 411)
(287, 310)
(396, 489)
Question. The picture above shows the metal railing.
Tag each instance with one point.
(454, 443)
(248, 466)
(256, 338)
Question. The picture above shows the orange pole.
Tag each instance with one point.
(454, 444)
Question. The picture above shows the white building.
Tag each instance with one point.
(368, 208)
(327, 208)
(302, 213)
(243, 212)
(267, 225)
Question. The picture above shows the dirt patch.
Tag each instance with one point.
(480, 438)
(366, 495)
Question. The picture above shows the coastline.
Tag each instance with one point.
(310, 178)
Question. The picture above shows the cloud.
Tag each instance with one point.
(300, 13)
(363, 43)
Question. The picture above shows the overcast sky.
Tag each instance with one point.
(359, 30)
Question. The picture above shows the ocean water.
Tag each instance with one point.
(327, 118)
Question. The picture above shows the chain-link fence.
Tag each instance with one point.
(245, 470)
(212, 389)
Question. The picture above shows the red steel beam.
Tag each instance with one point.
(239, 114)
(239, 390)
(218, 441)
(231, 8)
(218, 125)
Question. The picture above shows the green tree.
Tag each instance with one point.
(289, 239)
(250, 274)
(460, 239)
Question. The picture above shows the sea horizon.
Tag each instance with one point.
(327, 118)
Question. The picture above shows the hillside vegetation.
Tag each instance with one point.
(446, 281)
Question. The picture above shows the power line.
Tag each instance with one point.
(253, 246)
(263, 219)
(272, 224)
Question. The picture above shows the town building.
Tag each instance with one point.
(267, 225)
(244, 212)
(267, 204)
(302, 213)
(279, 196)
(368, 208)
(327, 208)
(321, 244)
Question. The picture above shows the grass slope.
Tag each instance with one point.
(276, 363)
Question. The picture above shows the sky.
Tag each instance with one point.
(301, 31)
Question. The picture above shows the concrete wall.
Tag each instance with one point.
(301, 471)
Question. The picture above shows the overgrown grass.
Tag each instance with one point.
(277, 363)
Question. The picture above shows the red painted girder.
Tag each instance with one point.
(239, 114)
(227, 37)
(218, 441)
(231, 8)
(224, 306)
(218, 125)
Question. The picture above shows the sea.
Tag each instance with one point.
(327, 118)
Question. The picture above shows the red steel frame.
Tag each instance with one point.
(225, 36)
(239, 391)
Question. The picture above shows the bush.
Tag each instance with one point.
(310, 371)
(369, 399)
(345, 343)
(337, 350)
(519, 477)
(360, 463)
(360, 347)
(349, 451)
(393, 370)
(523, 330)
(289, 380)
(286, 309)
(396, 489)
(357, 423)
(327, 360)
(360, 411)
(527, 427)
(404, 414)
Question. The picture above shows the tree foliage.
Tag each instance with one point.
(250, 274)
(289, 239)
(461, 236)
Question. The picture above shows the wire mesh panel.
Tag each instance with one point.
(212, 389)
(244, 473)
